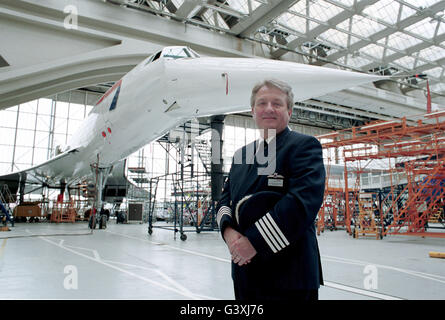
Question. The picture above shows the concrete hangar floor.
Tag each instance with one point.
(124, 262)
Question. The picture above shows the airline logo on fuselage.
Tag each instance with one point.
(117, 87)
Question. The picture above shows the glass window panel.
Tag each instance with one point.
(43, 122)
(407, 12)
(401, 41)
(365, 27)
(406, 62)
(423, 28)
(26, 120)
(422, 3)
(386, 10)
(73, 125)
(323, 11)
(299, 7)
(41, 139)
(313, 25)
(45, 106)
(334, 36)
(89, 108)
(348, 3)
(434, 72)
(62, 110)
(250, 135)
(373, 50)
(6, 154)
(61, 125)
(25, 138)
(7, 136)
(438, 87)
(229, 133)
(240, 134)
(5, 167)
(357, 61)
(9, 118)
(77, 111)
(178, 3)
(441, 28)
(30, 107)
(239, 5)
(432, 53)
(40, 155)
(23, 155)
(59, 139)
(13, 109)
(21, 165)
(293, 22)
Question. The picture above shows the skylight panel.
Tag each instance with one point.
(299, 7)
(406, 62)
(239, 5)
(438, 87)
(178, 3)
(293, 22)
(401, 41)
(365, 27)
(432, 53)
(323, 11)
(316, 10)
(441, 28)
(312, 24)
(434, 72)
(373, 50)
(348, 3)
(387, 52)
(423, 28)
(407, 12)
(356, 61)
(335, 36)
(386, 10)
(422, 3)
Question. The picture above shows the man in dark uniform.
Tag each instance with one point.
(275, 253)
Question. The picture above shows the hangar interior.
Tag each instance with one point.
(383, 143)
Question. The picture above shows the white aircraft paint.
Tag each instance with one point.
(169, 88)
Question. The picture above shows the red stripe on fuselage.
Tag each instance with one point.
(106, 94)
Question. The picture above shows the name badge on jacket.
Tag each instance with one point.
(275, 181)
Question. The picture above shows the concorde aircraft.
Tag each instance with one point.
(163, 91)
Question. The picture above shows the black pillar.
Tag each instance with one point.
(216, 171)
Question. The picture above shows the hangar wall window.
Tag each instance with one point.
(31, 131)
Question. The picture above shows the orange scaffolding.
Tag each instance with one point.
(409, 154)
(63, 212)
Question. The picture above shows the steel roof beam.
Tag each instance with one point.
(261, 16)
(331, 23)
(399, 26)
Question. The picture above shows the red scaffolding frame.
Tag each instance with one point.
(413, 151)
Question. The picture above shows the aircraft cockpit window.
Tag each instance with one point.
(149, 60)
(157, 55)
(173, 53)
(178, 53)
(194, 54)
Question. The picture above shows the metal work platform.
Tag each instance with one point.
(411, 153)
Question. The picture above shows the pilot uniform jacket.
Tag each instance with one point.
(287, 256)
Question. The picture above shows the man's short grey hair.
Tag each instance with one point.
(281, 85)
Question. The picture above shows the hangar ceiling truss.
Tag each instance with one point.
(391, 37)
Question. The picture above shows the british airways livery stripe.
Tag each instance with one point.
(106, 94)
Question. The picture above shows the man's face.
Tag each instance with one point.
(270, 109)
